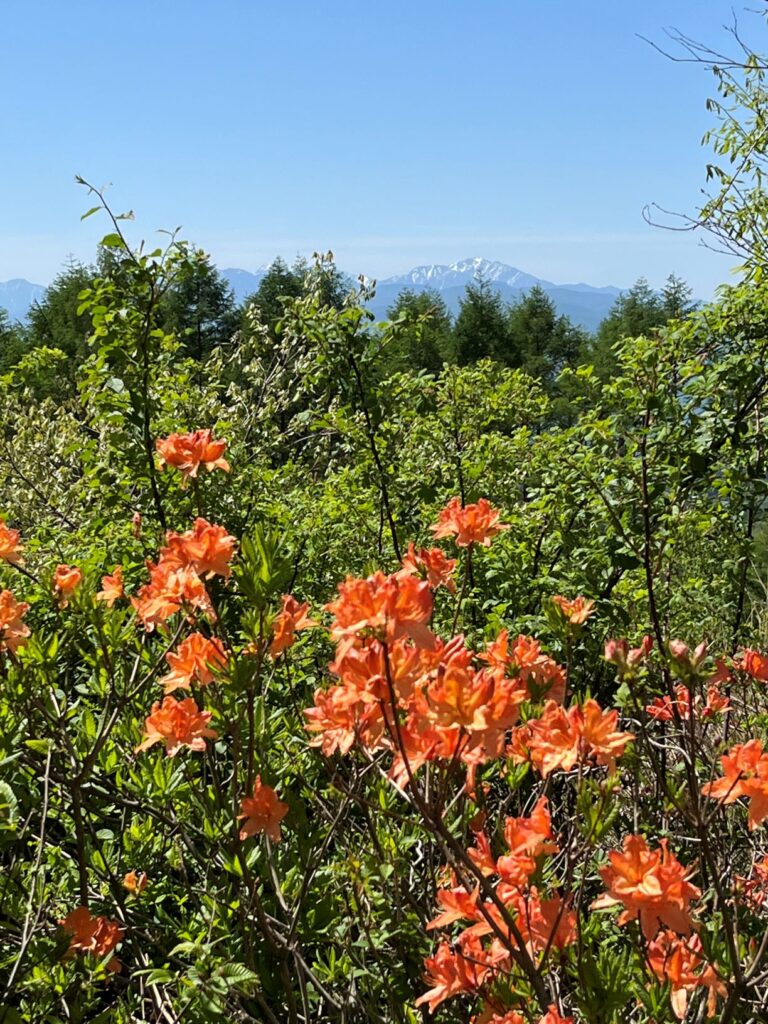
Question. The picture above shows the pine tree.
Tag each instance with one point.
(424, 342)
(541, 341)
(481, 330)
(200, 309)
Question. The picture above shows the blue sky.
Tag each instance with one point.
(398, 133)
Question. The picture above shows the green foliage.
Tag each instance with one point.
(55, 322)
(199, 308)
(480, 330)
(424, 339)
(639, 311)
(13, 344)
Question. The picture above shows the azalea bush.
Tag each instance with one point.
(334, 696)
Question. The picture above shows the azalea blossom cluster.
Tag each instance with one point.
(745, 774)
(563, 739)
(482, 952)
(13, 630)
(10, 545)
(651, 885)
(681, 963)
(188, 452)
(403, 688)
(177, 580)
(665, 709)
(654, 889)
(91, 934)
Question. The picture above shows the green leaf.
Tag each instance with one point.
(39, 746)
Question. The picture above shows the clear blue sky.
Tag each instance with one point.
(399, 133)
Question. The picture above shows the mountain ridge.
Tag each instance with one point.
(585, 304)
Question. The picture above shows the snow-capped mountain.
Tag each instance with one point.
(583, 303)
(17, 295)
(442, 276)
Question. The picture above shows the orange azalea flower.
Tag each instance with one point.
(134, 883)
(524, 658)
(469, 524)
(754, 664)
(187, 452)
(193, 661)
(652, 886)
(289, 621)
(665, 709)
(459, 695)
(177, 723)
(459, 905)
(206, 548)
(13, 632)
(716, 702)
(263, 812)
(112, 588)
(531, 835)
(561, 739)
(481, 856)
(575, 612)
(365, 668)
(97, 935)
(681, 963)
(540, 673)
(433, 565)
(598, 732)
(335, 718)
(10, 546)
(542, 923)
(745, 773)
(453, 970)
(386, 606)
(66, 580)
(553, 740)
(170, 589)
(527, 839)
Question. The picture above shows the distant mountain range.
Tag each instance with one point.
(585, 304)
(17, 295)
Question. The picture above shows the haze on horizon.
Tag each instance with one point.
(531, 133)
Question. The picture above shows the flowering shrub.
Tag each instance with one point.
(277, 749)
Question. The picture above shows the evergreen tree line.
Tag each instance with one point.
(202, 311)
